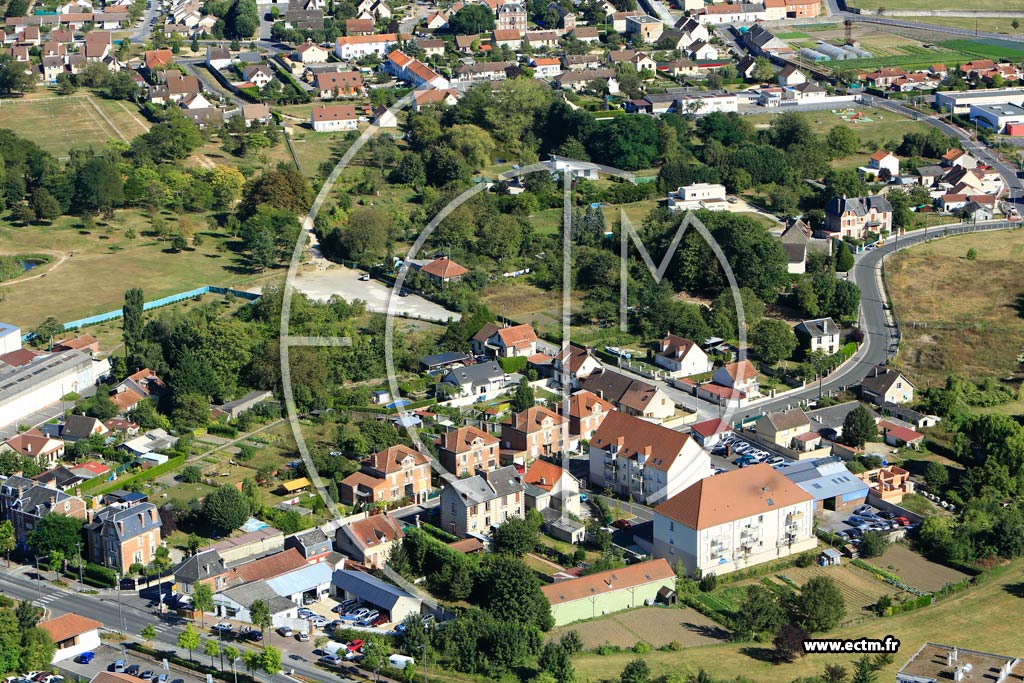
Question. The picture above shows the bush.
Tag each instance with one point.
(972, 254)
(804, 560)
(221, 429)
(641, 648)
(708, 582)
(100, 575)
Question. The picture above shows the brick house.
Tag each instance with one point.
(119, 537)
(390, 475)
(468, 449)
(534, 432)
(25, 502)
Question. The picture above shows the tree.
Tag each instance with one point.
(761, 612)
(844, 257)
(763, 70)
(225, 509)
(636, 671)
(14, 77)
(259, 612)
(511, 591)
(842, 141)
(132, 323)
(56, 533)
(10, 641)
(936, 476)
(819, 606)
(471, 19)
(270, 660)
(873, 544)
(789, 642)
(45, 204)
(864, 671)
(48, 329)
(628, 142)
(7, 540)
(555, 660)
(211, 648)
(178, 243)
(772, 340)
(148, 633)
(858, 427)
(37, 649)
(99, 186)
(835, 673)
(27, 614)
(515, 536)
(230, 653)
(189, 640)
(202, 600)
(252, 658)
(191, 474)
(523, 397)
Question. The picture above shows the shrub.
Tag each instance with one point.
(804, 560)
(708, 582)
(972, 254)
(641, 648)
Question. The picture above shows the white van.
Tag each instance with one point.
(399, 662)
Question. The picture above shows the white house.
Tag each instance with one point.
(332, 117)
(882, 161)
(681, 357)
(710, 196)
(790, 76)
(72, 634)
(819, 335)
(644, 461)
(571, 364)
(482, 379)
(734, 520)
(354, 47)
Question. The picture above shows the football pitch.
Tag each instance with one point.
(59, 123)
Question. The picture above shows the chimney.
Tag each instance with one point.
(28, 448)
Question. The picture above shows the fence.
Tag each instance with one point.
(165, 301)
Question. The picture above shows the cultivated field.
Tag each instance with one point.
(915, 569)
(968, 313)
(105, 259)
(978, 6)
(859, 588)
(987, 24)
(656, 626)
(59, 123)
(981, 618)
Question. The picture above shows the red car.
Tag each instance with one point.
(902, 521)
(379, 621)
(355, 645)
(621, 524)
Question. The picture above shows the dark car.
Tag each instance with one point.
(133, 670)
(86, 657)
(253, 634)
(621, 524)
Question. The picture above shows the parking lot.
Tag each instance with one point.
(863, 518)
(106, 655)
(742, 452)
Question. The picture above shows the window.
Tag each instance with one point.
(671, 526)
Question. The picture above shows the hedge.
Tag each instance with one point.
(219, 429)
(438, 533)
(100, 575)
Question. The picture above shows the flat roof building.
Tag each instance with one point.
(960, 102)
(933, 663)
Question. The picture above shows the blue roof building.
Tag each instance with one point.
(827, 480)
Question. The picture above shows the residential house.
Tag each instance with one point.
(465, 44)
(960, 158)
(72, 634)
(304, 20)
(884, 77)
(78, 427)
(258, 74)
(857, 216)
(587, 411)
(505, 342)
(475, 505)
(412, 71)
(313, 544)
(218, 57)
(437, 21)
(144, 384)
(432, 47)
(619, 19)
(886, 385)
(897, 435)
(119, 537)
(818, 335)
(369, 541)
(631, 396)
(736, 13)
(709, 432)
(428, 98)
(25, 502)
(614, 590)
(577, 80)
(359, 27)
(147, 446)
(511, 16)
(643, 461)
(884, 161)
(702, 51)
(482, 71)
(483, 380)
(97, 45)
(541, 39)
(391, 475)
(572, 364)
(348, 48)
(734, 520)
(236, 603)
(534, 432)
(790, 76)
(555, 494)
(581, 62)
(157, 60)
(206, 567)
(681, 357)
(465, 450)
(333, 84)
(311, 53)
(644, 28)
(782, 428)
(709, 196)
(45, 450)
(443, 270)
(740, 376)
(333, 117)
(795, 240)
(546, 67)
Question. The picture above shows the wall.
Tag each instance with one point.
(615, 601)
(85, 642)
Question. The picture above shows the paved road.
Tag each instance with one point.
(141, 34)
(198, 69)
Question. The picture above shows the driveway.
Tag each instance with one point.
(337, 280)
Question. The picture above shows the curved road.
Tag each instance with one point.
(867, 274)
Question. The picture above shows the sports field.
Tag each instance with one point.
(977, 5)
(987, 24)
(59, 123)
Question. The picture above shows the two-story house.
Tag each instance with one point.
(555, 494)
(505, 342)
(25, 502)
(474, 505)
(534, 432)
(734, 520)
(571, 364)
(681, 357)
(886, 385)
(206, 567)
(587, 411)
(390, 475)
(740, 376)
(46, 450)
(857, 216)
(483, 380)
(783, 427)
(369, 541)
(120, 536)
(510, 16)
(631, 396)
(312, 543)
(818, 335)
(644, 461)
(468, 449)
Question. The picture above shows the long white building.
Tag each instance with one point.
(44, 380)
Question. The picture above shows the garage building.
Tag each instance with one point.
(827, 480)
(351, 584)
(610, 591)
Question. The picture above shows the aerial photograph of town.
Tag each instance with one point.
(511, 341)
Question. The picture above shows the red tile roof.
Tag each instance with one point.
(901, 433)
(268, 567)
(636, 437)
(605, 582)
(711, 427)
(444, 268)
(543, 474)
(68, 626)
(461, 440)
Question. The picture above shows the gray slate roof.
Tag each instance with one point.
(821, 327)
(477, 375)
(200, 566)
(248, 593)
(860, 206)
(485, 487)
(135, 520)
(369, 588)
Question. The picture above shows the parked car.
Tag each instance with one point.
(286, 631)
(863, 509)
(621, 524)
(148, 675)
(253, 634)
(305, 612)
(302, 637)
(854, 533)
(119, 666)
(223, 627)
(902, 521)
(86, 657)
(774, 460)
(380, 620)
(162, 678)
(355, 646)
(308, 600)
(364, 277)
(132, 670)
(331, 660)
(342, 606)
(318, 621)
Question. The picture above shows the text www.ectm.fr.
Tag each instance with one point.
(887, 644)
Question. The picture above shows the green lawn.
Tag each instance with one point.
(978, 5)
(987, 24)
(105, 263)
(59, 123)
(993, 49)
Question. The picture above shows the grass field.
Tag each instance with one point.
(987, 24)
(105, 263)
(977, 618)
(59, 123)
(972, 309)
(656, 626)
(978, 6)
(915, 569)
